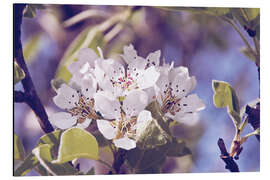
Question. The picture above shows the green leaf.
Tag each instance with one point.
(177, 148)
(91, 171)
(18, 73)
(246, 52)
(225, 96)
(52, 139)
(77, 143)
(147, 161)
(29, 163)
(19, 152)
(30, 48)
(157, 132)
(43, 155)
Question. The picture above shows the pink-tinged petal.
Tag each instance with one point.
(107, 130)
(63, 120)
(125, 143)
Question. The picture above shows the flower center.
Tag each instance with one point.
(84, 109)
(170, 103)
(125, 127)
(125, 83)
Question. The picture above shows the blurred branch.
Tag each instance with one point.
(230, 163)
(30, 95)
(84, 15)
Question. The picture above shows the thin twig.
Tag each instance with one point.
(230, 163)
(30, 93)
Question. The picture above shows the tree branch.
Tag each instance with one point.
(19, 96)
(30, 95)
(119, 159)
(230, 163)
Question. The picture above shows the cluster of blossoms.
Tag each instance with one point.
(116, 95)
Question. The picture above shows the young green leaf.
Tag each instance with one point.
(19, 152)
(157, 132)
(77, 143)
(225, 96)
(18, 73)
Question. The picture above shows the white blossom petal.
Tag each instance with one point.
(85, 124)
(189, 119)
(179, 70)
(107, 130)
(153, 58)
(63, 120)
(129, 53)
(136, 67)
(191, 103)
(182, 85)
(87, 55)
(125, 143)
(115, 70)
(143, 120)
(88, 86)
(148, 78)
(107, 105)
(66, 97)
(135, 102)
